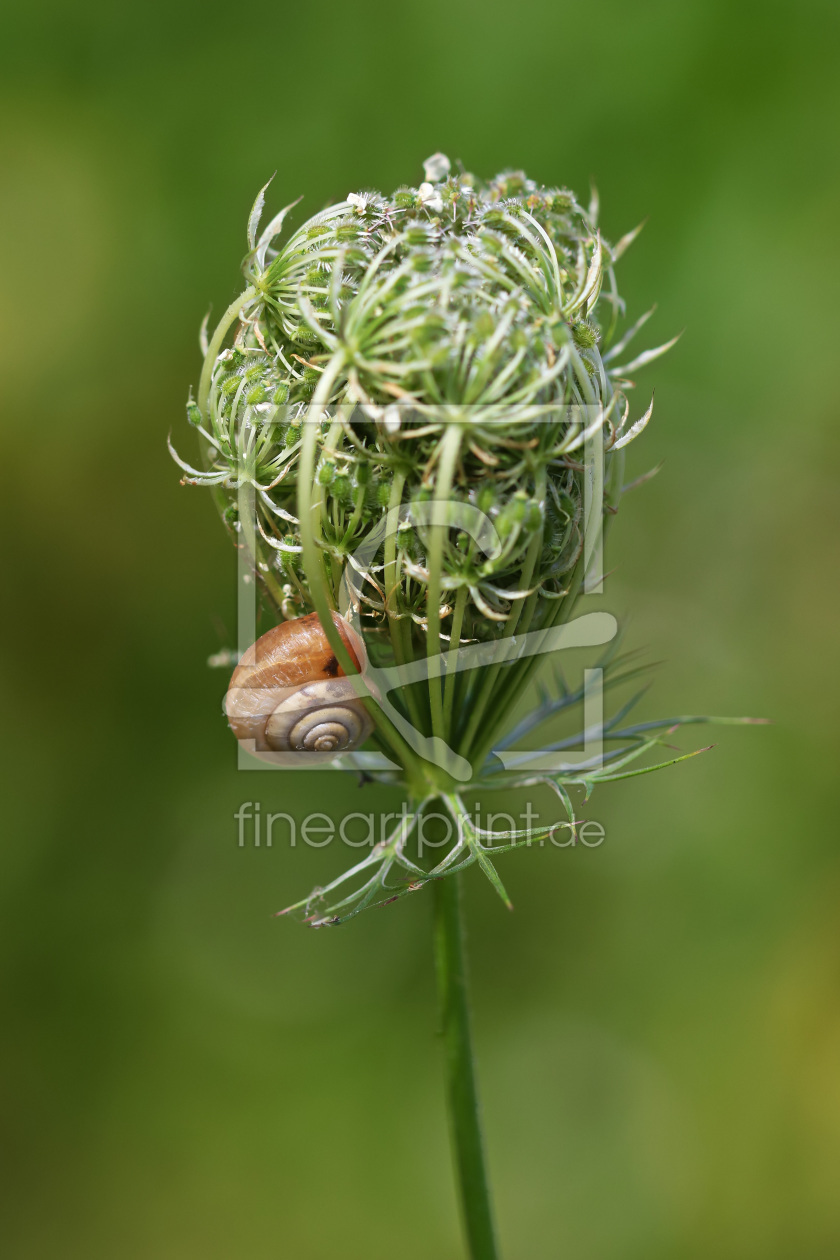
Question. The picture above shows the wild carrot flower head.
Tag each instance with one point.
(402, 397)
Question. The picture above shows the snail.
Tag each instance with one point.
(289, 694)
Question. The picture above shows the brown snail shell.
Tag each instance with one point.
(289, 694)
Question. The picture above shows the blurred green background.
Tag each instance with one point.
(659, 1022)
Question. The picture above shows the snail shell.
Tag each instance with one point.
(289, 694)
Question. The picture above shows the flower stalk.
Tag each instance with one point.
(464, 1112)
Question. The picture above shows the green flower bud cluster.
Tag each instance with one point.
(450, 342)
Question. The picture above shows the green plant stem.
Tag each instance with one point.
(451, 665)
(450, 448)
(465, 1124)
(391, 578)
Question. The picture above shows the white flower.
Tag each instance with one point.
(430, 198)
(436, 167)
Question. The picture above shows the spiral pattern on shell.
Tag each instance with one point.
(320, 717)
(289, 694)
